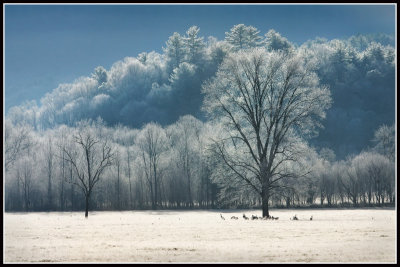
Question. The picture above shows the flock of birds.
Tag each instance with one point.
(254, 217)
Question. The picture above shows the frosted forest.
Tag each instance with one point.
(250, 121)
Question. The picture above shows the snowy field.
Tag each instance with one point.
(351, 235)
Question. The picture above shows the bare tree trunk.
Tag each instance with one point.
(129, 179)
(18, 192)
(49, 193)
(155, 187)
(322, 198)
(62, 197)
(118, 188)
(87, 206)
(26, 197)
(153, 205)
(265, 199)
(130, 193)
(72, 190)
(49, 155)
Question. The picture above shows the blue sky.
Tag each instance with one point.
(46, 45)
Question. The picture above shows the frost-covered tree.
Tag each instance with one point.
(17, 141)
(186, 86)
(184, 136)
(376, 175)
(361, 41)
(243, 37)
(152, 144)
(384, 139)
(61, 143)
(27, 113)
(90, 155)
(237, 36)
(175, 50)
(267, 102)
(351, 182)
(117, 173)
(25, 172)
(326, 175)
(217, 51)
(194, 45)
(253, 37)
(274, 41)
(100, 75)
(49, 166)
(128, 172)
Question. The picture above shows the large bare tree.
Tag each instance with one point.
(89, 158)
(267, 102)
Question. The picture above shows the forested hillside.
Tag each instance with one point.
(359, 71)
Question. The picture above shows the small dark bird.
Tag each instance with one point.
(222, 217)
(295, 217)
(253, 217)
(245, 217)
(234, 218)
(311, 218)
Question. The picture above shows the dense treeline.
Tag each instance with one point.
(172, 167)
(135, 136)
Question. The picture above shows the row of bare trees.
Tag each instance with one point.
(119, 168)
(92, 165)
(361, 180)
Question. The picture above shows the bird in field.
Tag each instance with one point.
(253, 217)
(234, 218)
(311, 218)
(222, 217)
(295, 218)
(245, 217)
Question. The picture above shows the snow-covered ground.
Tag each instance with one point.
(350, 235)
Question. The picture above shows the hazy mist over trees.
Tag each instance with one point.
(144, 133)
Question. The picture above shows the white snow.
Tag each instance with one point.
(334, 235)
